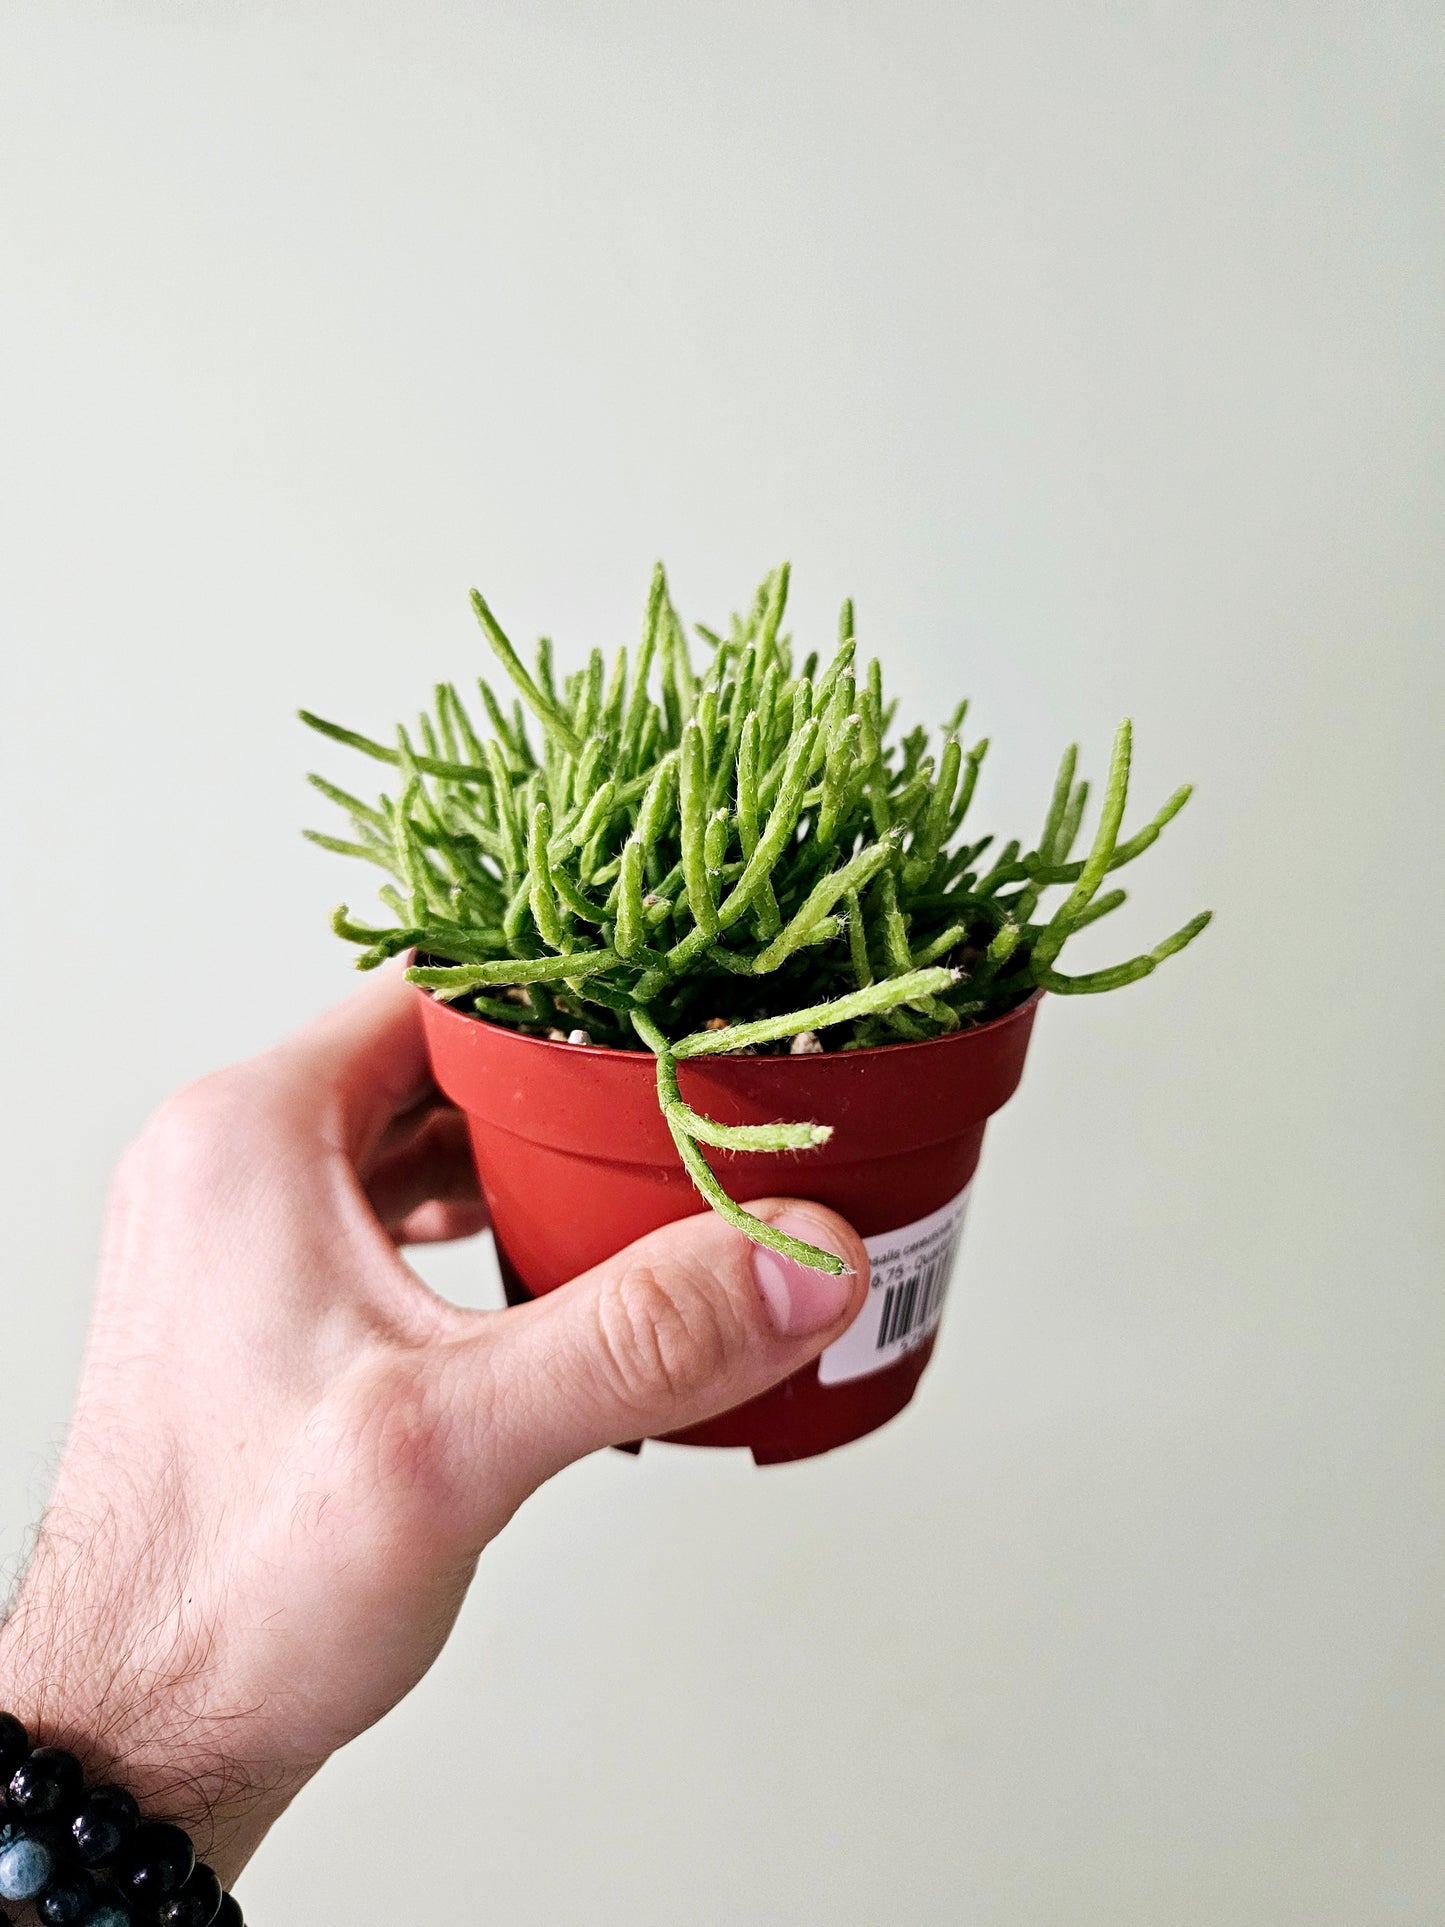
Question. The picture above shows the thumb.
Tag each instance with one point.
(686, 1323)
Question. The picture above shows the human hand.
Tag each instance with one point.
(288, 1453)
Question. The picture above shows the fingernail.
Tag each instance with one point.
(800, 1300)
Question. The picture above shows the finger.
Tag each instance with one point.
(360, 1064)
(401, 1130)
(432, 1163)
(684, 1324)
(436, 1223)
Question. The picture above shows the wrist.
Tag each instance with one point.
(77, 1681)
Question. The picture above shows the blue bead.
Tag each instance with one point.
(25, 1866)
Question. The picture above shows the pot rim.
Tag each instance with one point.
(732, 1057)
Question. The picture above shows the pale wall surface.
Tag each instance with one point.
(1097, 350)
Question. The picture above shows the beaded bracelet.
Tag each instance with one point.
(87, 1859)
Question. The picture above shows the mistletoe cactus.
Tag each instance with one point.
(737, 857)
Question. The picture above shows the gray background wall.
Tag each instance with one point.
(1096, 349)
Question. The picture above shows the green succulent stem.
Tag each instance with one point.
(720, 859)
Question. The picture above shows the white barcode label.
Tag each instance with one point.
(911, 1267)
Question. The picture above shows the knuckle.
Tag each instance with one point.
(665, 1333)
(196, 1134)
(177, 1134)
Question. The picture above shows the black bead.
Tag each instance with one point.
(70, 1898)
(107, 1818)
(196, 1905)
(155, 1861)
(14, 1744)
(49, 1782)
(230, 1914)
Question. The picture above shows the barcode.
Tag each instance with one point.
(905, 1297)
(915, 1300)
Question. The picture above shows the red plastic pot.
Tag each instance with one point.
(576, 1161)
